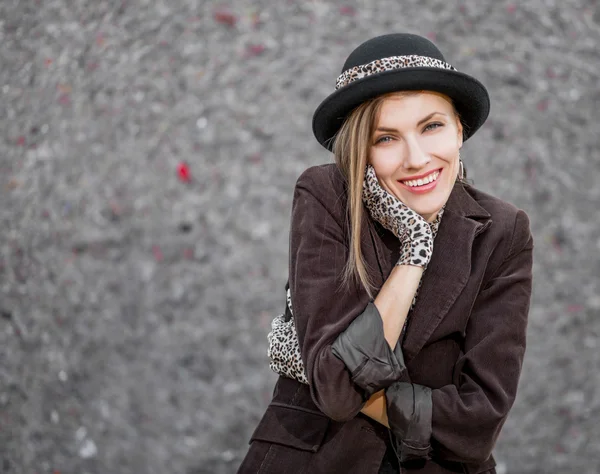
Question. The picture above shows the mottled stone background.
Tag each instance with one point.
(148, 155)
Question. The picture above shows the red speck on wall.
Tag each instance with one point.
(183, 172)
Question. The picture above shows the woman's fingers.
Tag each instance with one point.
(372, 189)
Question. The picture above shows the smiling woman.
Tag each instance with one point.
(395, 357)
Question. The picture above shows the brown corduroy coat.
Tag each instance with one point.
(465, 339)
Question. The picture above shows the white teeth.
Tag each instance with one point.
(420, 182)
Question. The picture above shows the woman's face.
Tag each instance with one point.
(417, 134)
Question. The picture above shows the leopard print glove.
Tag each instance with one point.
(413, 231)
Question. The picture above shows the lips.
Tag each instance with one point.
(422, 188)
(414, 181)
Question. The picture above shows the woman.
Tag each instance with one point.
(394, 357)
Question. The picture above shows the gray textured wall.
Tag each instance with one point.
(135, 306)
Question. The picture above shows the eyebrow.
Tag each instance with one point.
(424, 119)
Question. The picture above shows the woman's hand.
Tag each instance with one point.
(413, 231)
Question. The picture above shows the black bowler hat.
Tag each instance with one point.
(397, 62)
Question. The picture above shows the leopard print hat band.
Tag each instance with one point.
(388, 64)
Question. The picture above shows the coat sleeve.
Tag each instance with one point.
(461, 422)
(324, 309)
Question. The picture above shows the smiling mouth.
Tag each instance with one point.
(415, 183)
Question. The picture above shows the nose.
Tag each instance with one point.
(416, 157)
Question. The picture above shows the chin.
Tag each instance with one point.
(425, 209)
(426, 204)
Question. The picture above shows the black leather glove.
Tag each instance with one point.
(409, 411)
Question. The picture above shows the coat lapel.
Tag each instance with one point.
(448, 270)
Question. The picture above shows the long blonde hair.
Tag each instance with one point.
(351, 151)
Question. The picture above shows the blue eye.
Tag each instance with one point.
(382, 139)
(433, 126)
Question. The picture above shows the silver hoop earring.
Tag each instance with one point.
(461, 170)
